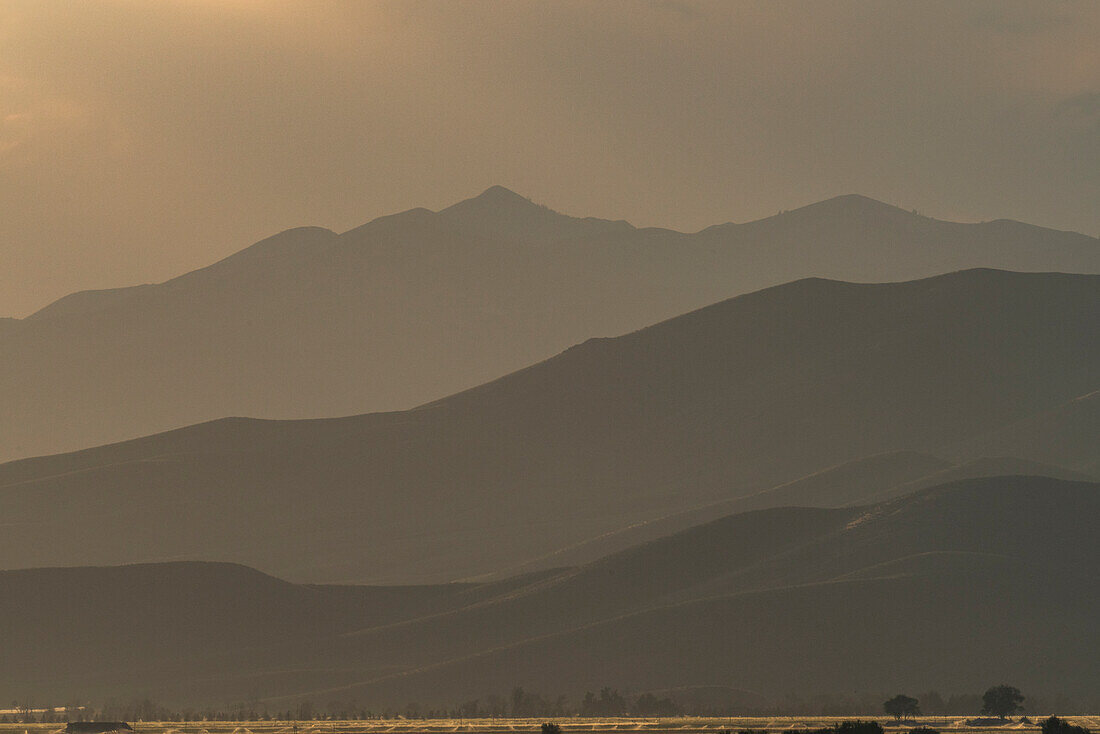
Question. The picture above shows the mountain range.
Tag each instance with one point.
(814, 486)
(412, 307)
(815, 392)
(952, 587)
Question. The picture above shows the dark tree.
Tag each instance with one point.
(1054, 725)
(1002, 701)
(902, 707)
(551, 728)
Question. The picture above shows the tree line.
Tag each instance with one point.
(999, 701)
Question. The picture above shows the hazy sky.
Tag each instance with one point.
(139, 140)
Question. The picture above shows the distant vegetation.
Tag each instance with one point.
(858, 727)
(522, 703)
(845, 727)
(612, 703)
(1002, 701)
(902, 707)
(1054, 725)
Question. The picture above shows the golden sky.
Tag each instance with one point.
(139, 139)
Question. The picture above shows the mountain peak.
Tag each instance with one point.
(499, 195)
(498, 208)
(496, 200)
(854, 204)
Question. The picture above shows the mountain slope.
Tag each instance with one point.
(411, 307)
(961, 582)
(878, 635)
(1066, 435)
(863, 481)
(957, 584)
(716, 404)
(826, 488)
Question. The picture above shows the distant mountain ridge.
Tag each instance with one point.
(414, 306)
(697, 412)
(964, 582)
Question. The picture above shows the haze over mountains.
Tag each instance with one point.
(555, 461)
(949, 588)
(787, 467)
(418, 305)
(814, 487)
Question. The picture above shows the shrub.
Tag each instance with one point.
(551, 728)
(1054, 725)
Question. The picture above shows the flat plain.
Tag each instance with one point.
(685, 724)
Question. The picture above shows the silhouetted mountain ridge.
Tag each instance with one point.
(418, 305)
(735, 398)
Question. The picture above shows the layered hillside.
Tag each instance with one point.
(949, 587)
(415, 306)
(714, 405)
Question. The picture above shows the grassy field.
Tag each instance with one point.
(687, 725)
